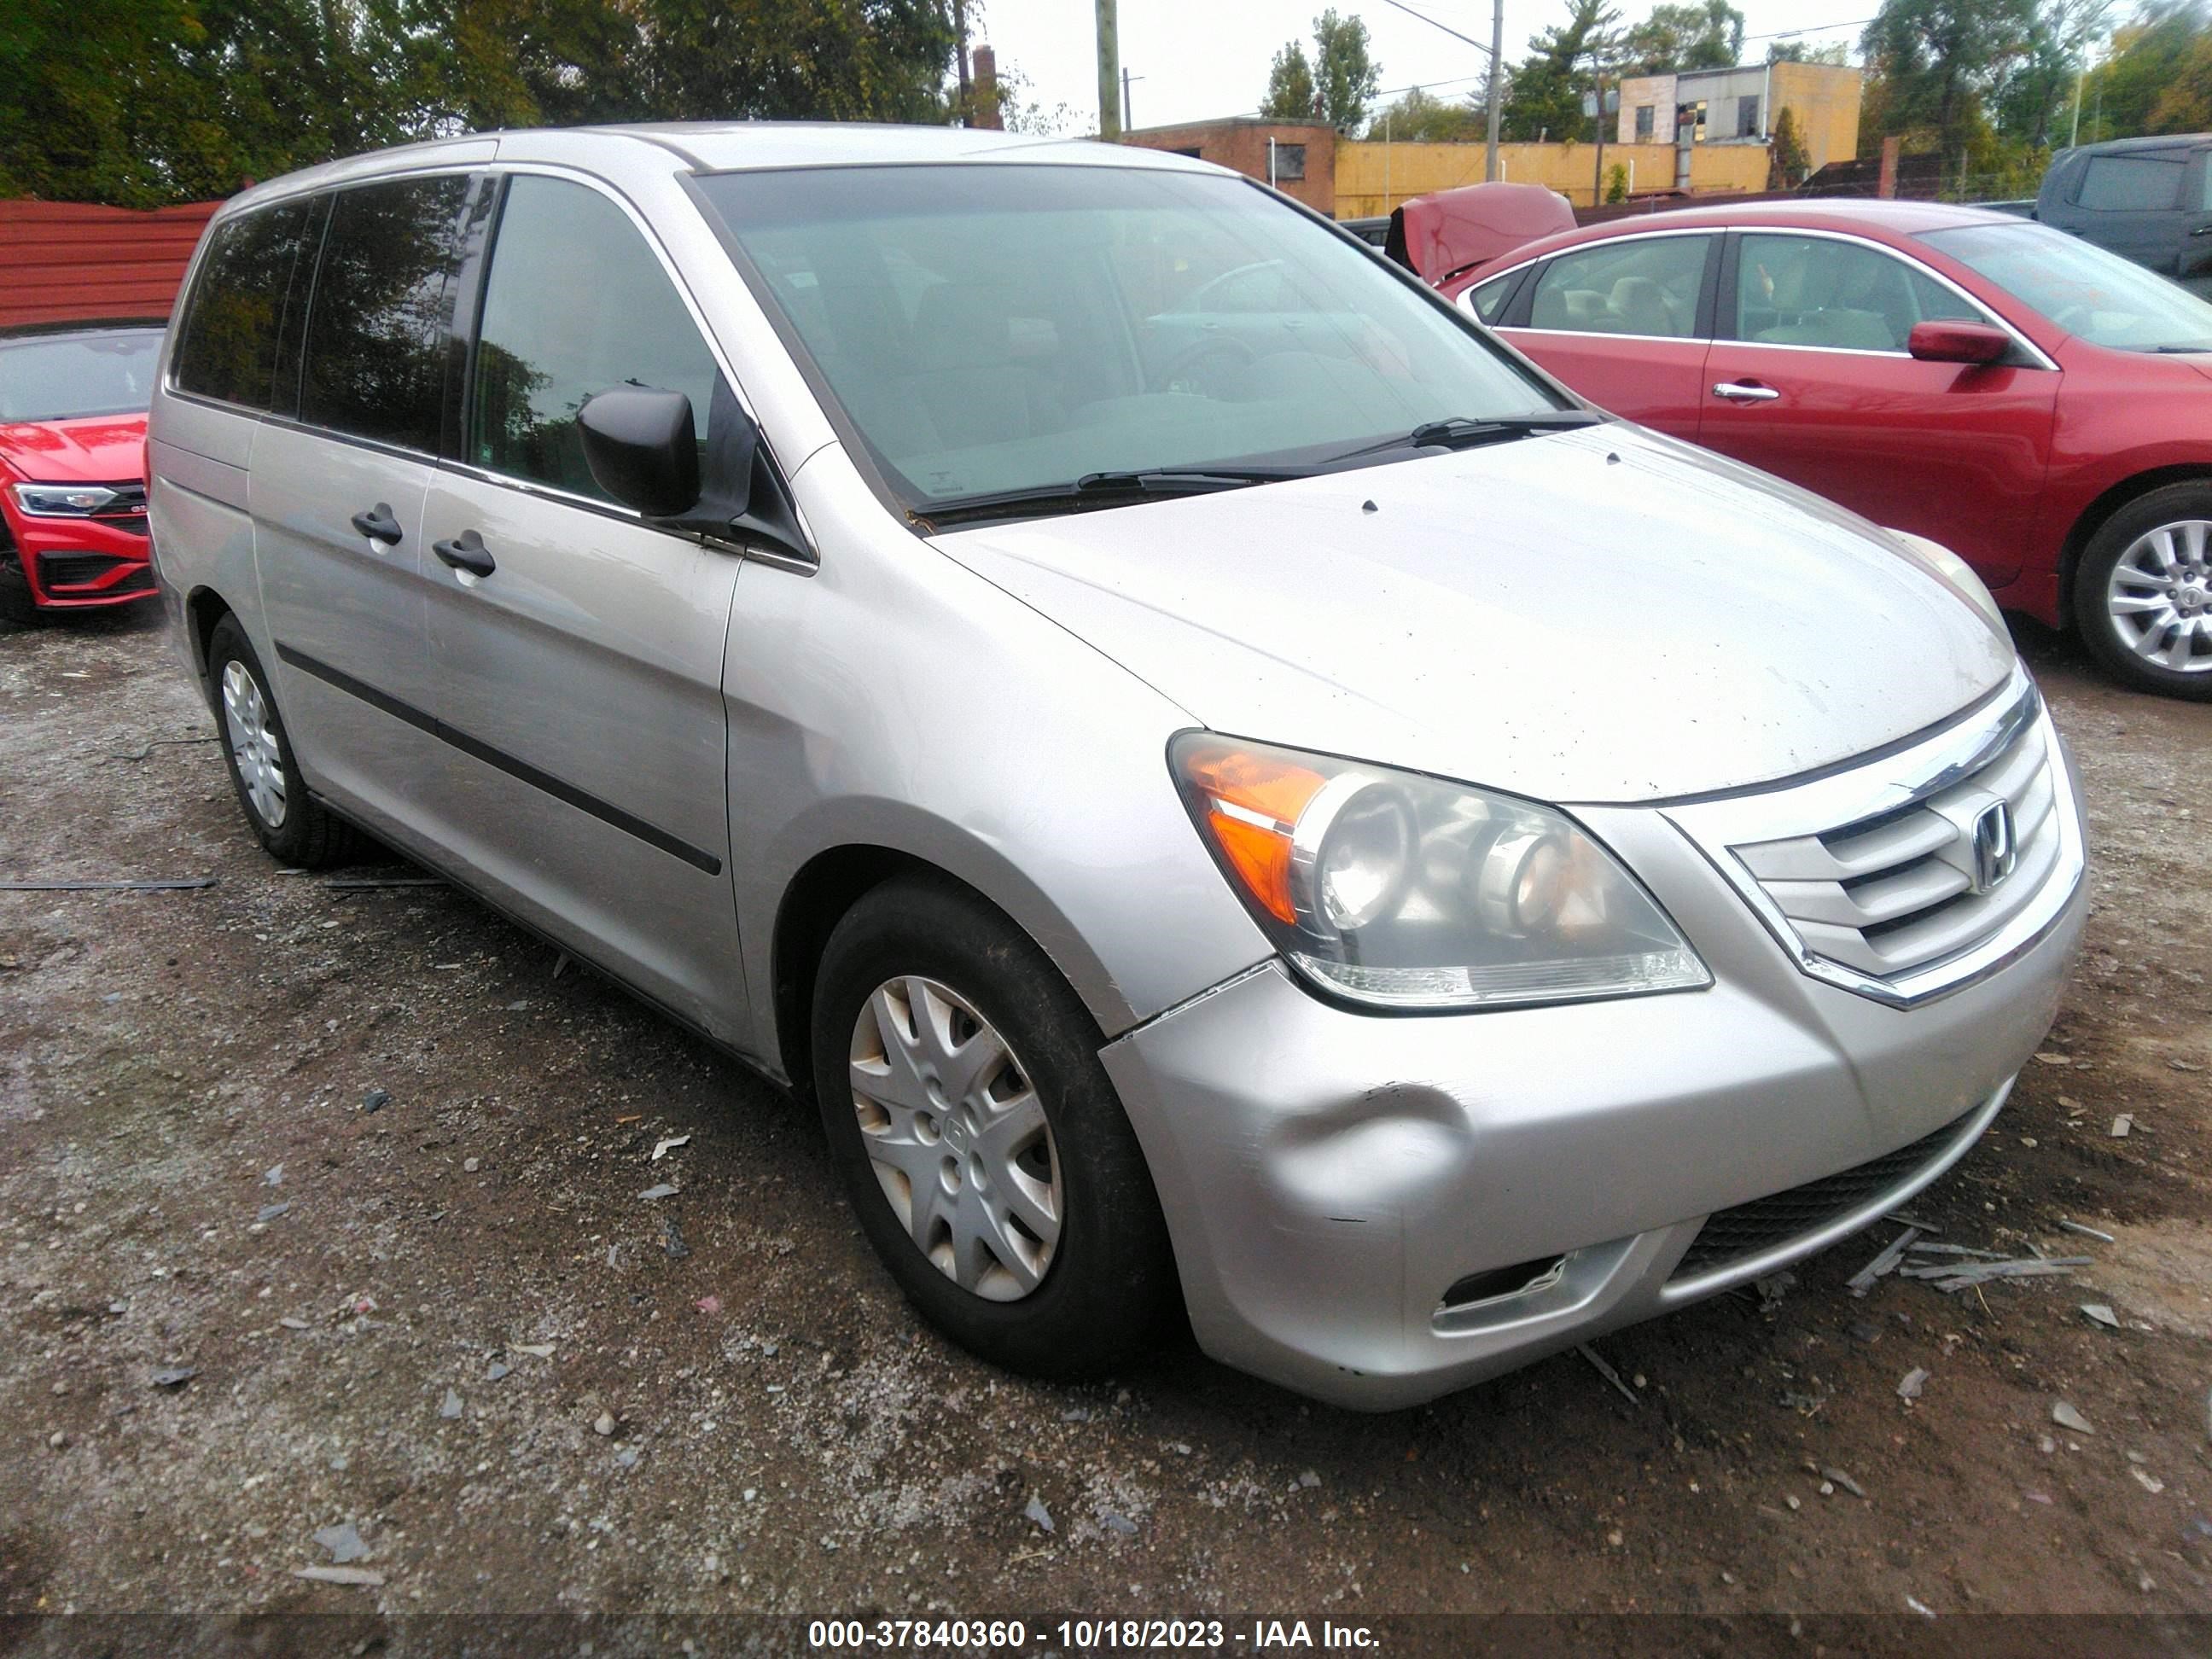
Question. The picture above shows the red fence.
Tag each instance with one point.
(63, 261)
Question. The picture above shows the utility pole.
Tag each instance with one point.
(1497, 55)
(1128, 119)
(960, 36)
(1597, 179)
(1109, 74)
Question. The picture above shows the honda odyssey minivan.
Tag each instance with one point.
(1306, 829)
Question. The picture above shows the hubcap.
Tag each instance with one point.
(253, 743)
(957, 1138)
(2159, 597)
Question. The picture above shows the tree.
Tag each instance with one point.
(1417, 117)
(1787, 163)
(2154, 75)
(1674, 38)
(1343, 75)
(1544, 89)
(1835, 52)
(1936, 59)
(2029, 94)
(1291, 96)
(1616, 183)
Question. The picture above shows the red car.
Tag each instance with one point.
(73, 402)
(2038, 406)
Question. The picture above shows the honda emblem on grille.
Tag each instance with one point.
(1995, 852)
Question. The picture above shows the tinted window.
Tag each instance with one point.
(1489, 298)
(2085, 290)
(383, 297)
(227, 343)
(576, 303)
(1817, 291)
(70, 377)
(1644, 286)
(2131, 184)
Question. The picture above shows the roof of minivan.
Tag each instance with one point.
(2124, 146)
(727, 146)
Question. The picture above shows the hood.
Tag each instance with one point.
(1595, 616)
(105, 449)
(1435, 236)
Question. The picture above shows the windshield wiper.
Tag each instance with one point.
(1466, 432)
(1105, 490)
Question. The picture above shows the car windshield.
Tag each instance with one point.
(993, 328)
(2086, 291)
(65, 377)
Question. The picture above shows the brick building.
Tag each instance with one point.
(1302, 157)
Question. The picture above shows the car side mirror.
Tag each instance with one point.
(1958, 343)
(642, 446)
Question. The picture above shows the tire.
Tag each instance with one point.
(2161, 641)
(17, 608)
(1041, 1120)
(296, 829)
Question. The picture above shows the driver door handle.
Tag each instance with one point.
(377, 524)
(1740, 392)
(466, 552)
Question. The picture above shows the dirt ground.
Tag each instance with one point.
(451, 1321)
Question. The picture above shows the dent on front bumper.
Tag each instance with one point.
(1327, 1176)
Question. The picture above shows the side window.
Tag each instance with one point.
(1843, 295)
(2131, 184)
(226, 340)
(1646, 285)
(575, 303)
(1489, 298)
(383, 302)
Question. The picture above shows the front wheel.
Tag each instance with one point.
(2143, 593)
(979, 1138)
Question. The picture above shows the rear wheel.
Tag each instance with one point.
(295, 828)
(2143, 593)
(980, 1139)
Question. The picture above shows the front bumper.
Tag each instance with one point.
(1327, 1176)
(77, 564)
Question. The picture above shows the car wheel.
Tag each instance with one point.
(979, 1138)
(2143, 593)
(295, 829)
(17, 608)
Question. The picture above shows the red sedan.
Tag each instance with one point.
(73, 402)
(2040, 407)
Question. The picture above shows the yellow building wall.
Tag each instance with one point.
(1372, 179)
(1826, 99)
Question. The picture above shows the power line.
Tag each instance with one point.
(1810, 28)
(1482, 46)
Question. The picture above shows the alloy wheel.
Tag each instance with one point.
(2159, 598)
(253, 743)
(956, 1137)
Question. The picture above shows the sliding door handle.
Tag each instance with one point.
(465, 552)
(378, 525)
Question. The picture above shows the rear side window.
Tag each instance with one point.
(2131, 184)
(576, 303)
(227, 342)
(383, 302)
(1489, 298)
(1647, 287)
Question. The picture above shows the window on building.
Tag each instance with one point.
(2132, 183)
(1691, 118)
(576, 304)
(1290, 163)
(1647, 116)
(1746, 118)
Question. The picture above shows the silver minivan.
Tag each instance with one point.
(1240, 799)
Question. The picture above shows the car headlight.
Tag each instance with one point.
(1402, 891)
(62, 501)
(1957, 574)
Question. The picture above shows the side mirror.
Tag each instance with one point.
(642, 448)
(1958, 343)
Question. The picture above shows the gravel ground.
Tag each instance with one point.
(369, 1171)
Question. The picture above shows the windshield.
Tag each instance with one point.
(64, 377)
(2085, 290)
(996, 328)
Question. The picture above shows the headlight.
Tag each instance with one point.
(1958, 572)
(62, 501)
(1391, 889)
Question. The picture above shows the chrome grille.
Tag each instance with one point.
(1903, 876)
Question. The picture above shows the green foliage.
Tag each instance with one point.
(1343, 75)
(1835, 52)
(1616, 183)
(140, 102)
(2158, 79)
(1674, 38)
(1290, 95)
(1547, 86)
(1787, 160)
(1416, 118)
(1936, 62)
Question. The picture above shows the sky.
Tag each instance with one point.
(1208, 58)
